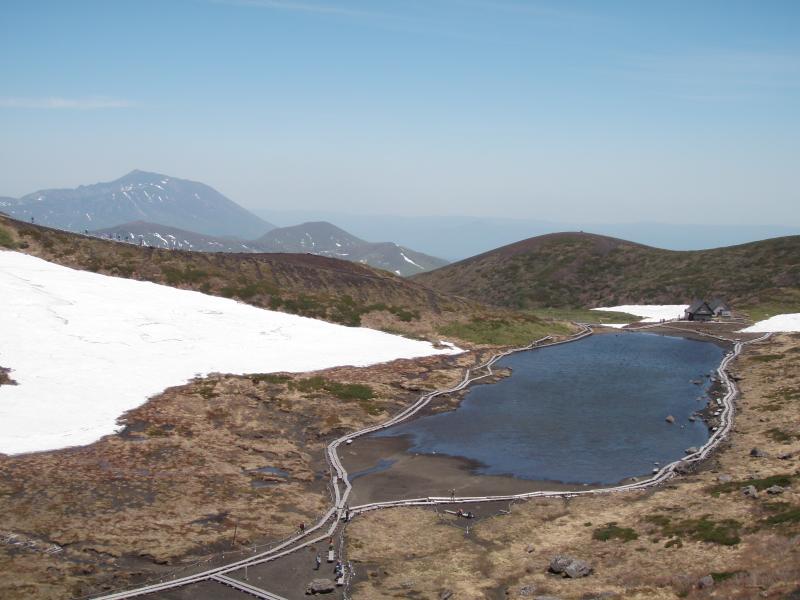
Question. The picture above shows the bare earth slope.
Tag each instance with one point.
(581, 269)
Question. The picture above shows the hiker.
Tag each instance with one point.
(302, 526)
(452, 495)
(317, 561)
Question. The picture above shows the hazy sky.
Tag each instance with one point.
(614, 111)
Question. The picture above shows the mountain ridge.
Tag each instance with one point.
(320, 238)
(576, 269)
(326, 239)
(139, 196)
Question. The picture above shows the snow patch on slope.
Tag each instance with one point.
(84, 348)
(789, 323)
(408, 260)
(651, 313)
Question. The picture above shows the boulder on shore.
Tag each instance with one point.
(670, 419)
(320, 586)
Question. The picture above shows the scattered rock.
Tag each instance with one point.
(785, 455)
(724, 478)
(692, 418)
(756, 453)
(445, 594)
(705, 582)
(558, 563)
(546, 598)
(692, 450)
(578, 568)
(683, 468)
(670, 419)
(529, 548)
(320, 586)
(750, 491)
(527, 591)
(570, 567)
(775, 489)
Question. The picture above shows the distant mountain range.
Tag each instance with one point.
(166, 212)
(143, 233)
(587, 270)
(328, 240)
(139, 196)
(320, 238)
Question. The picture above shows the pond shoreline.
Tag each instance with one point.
(435, 458)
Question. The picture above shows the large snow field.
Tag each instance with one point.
(650, 313)
(789, 323)
(84, 348)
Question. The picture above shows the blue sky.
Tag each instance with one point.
(614, 111)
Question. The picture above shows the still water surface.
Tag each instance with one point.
(591, 411)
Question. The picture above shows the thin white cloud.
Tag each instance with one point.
(305, 7)
(58, 102)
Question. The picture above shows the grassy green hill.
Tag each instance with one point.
(586, 270)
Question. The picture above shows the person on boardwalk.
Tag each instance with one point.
(302, 526)
(317, 561)
(452, 495)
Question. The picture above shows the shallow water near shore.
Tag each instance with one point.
(591, 411)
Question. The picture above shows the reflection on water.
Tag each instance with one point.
(591, 411)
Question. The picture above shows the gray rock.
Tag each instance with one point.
(785, 455)
(705, 582)
(750, 491)
(559, 563)
(570, 567)
(578, 568)
(320, 586)
(756, 453)
(775, 489)
(692, 450)
(546, 598)
(724, 478)
(670, 419)
(529, 548)
(692, 418)
(445, 594)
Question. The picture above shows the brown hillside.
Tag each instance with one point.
(304, 284)
(585, 270)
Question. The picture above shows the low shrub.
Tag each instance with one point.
(611, 531)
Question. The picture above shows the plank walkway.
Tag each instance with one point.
(246, 587)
